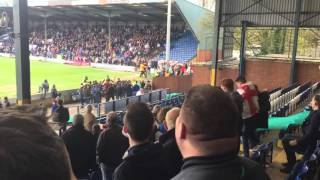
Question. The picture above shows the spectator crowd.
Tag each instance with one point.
(198, 141)
(173, 68)
(133, 45)
(129, 45)
(92, 92)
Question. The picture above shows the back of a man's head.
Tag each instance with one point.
(161, 116)
(96, 129)
(139, 122)
(227, 85)
(60, 102)
(89, 108)
(209, 113)
(78, 120)
(208, 118)
(156, 109)
(171, 117)
(29, 148)
(241, 79)
(112, 118)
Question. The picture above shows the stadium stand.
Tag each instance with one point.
(130, 44)
(183, 49)
(134, 45)
(292, 98)
(5, 40)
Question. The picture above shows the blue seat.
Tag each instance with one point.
(184, 49)
(263, 153)
(102, 120)
(306, 167)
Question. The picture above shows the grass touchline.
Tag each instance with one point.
(63, 76)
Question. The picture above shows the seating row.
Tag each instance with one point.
(121, 104)
(303, 96)
(172, 102)
(280, 99)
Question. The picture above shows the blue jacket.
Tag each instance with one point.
(135, 88)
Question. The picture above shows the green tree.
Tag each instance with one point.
(265, 42)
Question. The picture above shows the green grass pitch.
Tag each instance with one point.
(63, 76)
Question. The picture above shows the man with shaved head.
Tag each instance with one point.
(208, 138)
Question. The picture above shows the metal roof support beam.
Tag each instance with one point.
(274, 12)
(21, 42)
(119, 18)
(216, 31)
(140, 13)
(293, 79)
(164, 10)
(156, 17)
(70, 14)
(243, 10)
(242, 65)
(309, 18)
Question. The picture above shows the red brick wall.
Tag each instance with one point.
(205, 55)
(267, 74)
(308, 72)
(226, 73)
(175, 84)
(201, 75)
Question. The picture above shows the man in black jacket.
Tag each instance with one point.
(168, 141)
(227, 85)
(80, 144)
(307, 143)
(62, 116)
(145, 160)
(111, 146)
(265, 106)
(208, 138)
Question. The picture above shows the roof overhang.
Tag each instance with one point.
(119, 12)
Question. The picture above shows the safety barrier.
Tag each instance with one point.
(297, 99)
(120, 104)
(172, 102)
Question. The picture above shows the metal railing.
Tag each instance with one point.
(176, 101)
(120, 104)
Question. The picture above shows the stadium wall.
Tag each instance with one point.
(175, 84)
(266, 73)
